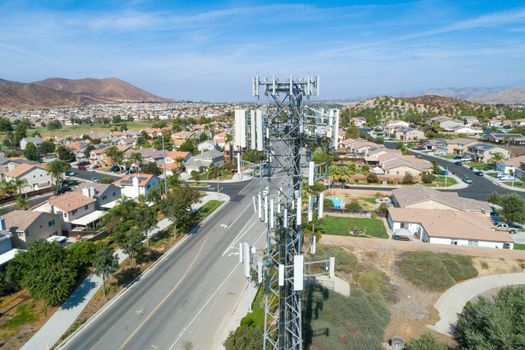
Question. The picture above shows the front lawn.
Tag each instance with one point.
(342, 226)
(476, 165)
(519, 246)
(439, 181)
(518, 184)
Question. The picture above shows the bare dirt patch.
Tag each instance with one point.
(411, 307)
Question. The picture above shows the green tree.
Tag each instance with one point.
(494, 198)
(22, 202)
(5, 124)
(244, 338)
(352, 132)
(57, 168)
(131, 242)
(426, 342)
(88, 149)
(353, 206)
(54, 125)
(151, 168)
(496, 157)
(372, 178)
(82, 253)
(203, 137)
(116, 119)
(321, 155)
(105, 263)
(513, 208)
(427, 178)
(188, 146)
(254, 156)
(45, 271)
(136, 159)
(493, 324)
(177, 206)
(31, 152)
(65, 154)
(47, 147)
(20, 132)
(115, 155)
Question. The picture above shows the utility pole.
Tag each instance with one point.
(164, 160)
(287, 131)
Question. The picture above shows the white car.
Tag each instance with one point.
(506, 178)
(499, 174)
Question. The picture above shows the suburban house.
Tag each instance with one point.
(502, 138)
(450, 125)
(467, 130)
(515, 165)
(447, 227)
(36, 176)
(471, 120)
(408, 134)
(436, 145)
(175, 161)
(149, 155)
(74, 208)
(423, 197)
(135, 185)
(392, 125)
(484, 152)
(27, 226)
(106, 195)
(78, 148)
(204, 161)
(459, 146)
(401, 165)
(220, 139)
(206, 146)
(34, 140)
(183, 135)
(358, 121)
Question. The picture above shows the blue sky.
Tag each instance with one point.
(209, 50)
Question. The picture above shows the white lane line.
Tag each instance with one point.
(203, 306)
(239, 235)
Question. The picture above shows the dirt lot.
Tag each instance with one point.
(411, 307)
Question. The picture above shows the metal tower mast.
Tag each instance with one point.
(287, 131)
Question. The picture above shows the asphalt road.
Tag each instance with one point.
(183, 302)
(479, 189)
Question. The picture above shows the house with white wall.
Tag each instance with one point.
(36, 176)
(450, 227)
(27, 226)
(135, 185)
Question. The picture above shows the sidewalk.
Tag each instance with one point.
(501, 184)
(452, 302)
(64, 317)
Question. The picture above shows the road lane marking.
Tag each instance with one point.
(126, 341)
(239, 236)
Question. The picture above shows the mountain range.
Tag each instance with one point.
(57, 92)
(495, 95)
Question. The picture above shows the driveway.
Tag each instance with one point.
(452, 302)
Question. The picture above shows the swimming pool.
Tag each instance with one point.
(338, 203)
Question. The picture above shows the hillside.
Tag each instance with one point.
(111, 89)
(507, 96)
(418, 109)
(13, 94)
(58, 92)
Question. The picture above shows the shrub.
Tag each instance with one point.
(426, 342)
(372, 178)
(427, 178)
(436, 272)
(353, 206)
(408, 179)
(493, 324)
(346, 261)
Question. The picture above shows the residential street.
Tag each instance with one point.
(184, 300)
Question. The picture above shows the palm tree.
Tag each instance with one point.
(115, 155)
(19, 184)
(136, 159)
(57, 168)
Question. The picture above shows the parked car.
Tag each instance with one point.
(457, 157)
(83, 162)
(70, 183)
(82, 167)
(443, 172)
(114, 168)
(506, 178)
(63, 190)
(503, 226)
(95, 179)
(499, 174)
(479, 173)
(467, 179)
(70, 173)
(488, 168)
(458, 163)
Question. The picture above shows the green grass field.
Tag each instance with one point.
(341, 226)
(208, 208)
(519, 246)
(98, 130)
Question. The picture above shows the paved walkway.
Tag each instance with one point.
(499, 183)
(64, 317)
(452, 302)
